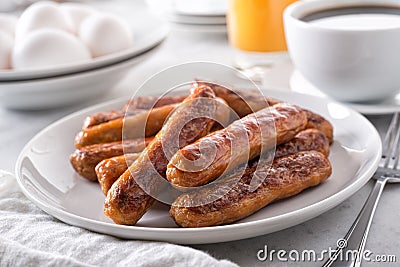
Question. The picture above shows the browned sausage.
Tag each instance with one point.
(287, 176)
(306, 140)
(127, 199)
(148, 124)
(109, 170)
(84, 160)
(243, 102)
(318, 122)
(246, 101)
(149, 102)
(106, 116)
(135, 106)
(236, 144)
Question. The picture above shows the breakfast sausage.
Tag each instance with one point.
(246, 101)
(84, 160)
(106, 116)
(109, 170)
(318, 122)
(148, 124)
(128, 198)
(149, 102)
(287, 176)
(135, 106)
(306, 140)
(241, 141)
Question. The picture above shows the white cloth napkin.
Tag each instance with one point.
(30, 237)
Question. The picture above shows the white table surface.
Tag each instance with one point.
(17, 128)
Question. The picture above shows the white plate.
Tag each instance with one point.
(148, 32)
(46, 178)
(299, 84)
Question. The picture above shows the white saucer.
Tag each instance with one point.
(210, 8)
(299, 84)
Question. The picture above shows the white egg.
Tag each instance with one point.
(6, 46)
(48, 48)
(77, 13)
(8, 23)
(43, 14)
(104, 34)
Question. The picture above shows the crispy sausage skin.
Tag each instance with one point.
(288, 176)
(84, 160)
(106, 116)
(148, 124)
(246, 101)
(306, 140)
(236, 144)
(126, 200)
(318, 122)
(149, 102)
(135, 106)
(109, 170)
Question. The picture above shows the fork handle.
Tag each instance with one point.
(356, 237)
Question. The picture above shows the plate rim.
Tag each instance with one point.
(322, 206)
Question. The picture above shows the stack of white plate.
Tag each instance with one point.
(73, 83)
(195, 15)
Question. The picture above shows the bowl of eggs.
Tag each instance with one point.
(58, 54)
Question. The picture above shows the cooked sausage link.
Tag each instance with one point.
(106, 116)
(318, 122)
(306, 140)
(241, 141)
(148, 124)
(243, 102)
(126, 200)
(148, 102)
(109, 170)
(286, 177)
(84, 160)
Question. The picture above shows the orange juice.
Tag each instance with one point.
(257, 25)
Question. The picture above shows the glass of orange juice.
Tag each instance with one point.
(255, 30)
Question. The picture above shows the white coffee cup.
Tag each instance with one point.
(349, 64)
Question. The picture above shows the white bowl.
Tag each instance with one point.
(66, 89)
(148, 32)
(347, 64)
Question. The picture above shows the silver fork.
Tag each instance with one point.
(388, 171)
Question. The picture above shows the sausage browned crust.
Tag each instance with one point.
(306, 140)
(148, 102)
(246, 101)
(84, 160)
(243, 102)
(318, 122)
(286, 177)
(106, 116)
(148, 124)
(135, 106)
(236, 144)
(126, 200)
(109, 170)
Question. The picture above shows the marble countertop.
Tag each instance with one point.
(18, 127)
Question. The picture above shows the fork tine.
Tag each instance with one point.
(388, 140)
(392, 157)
